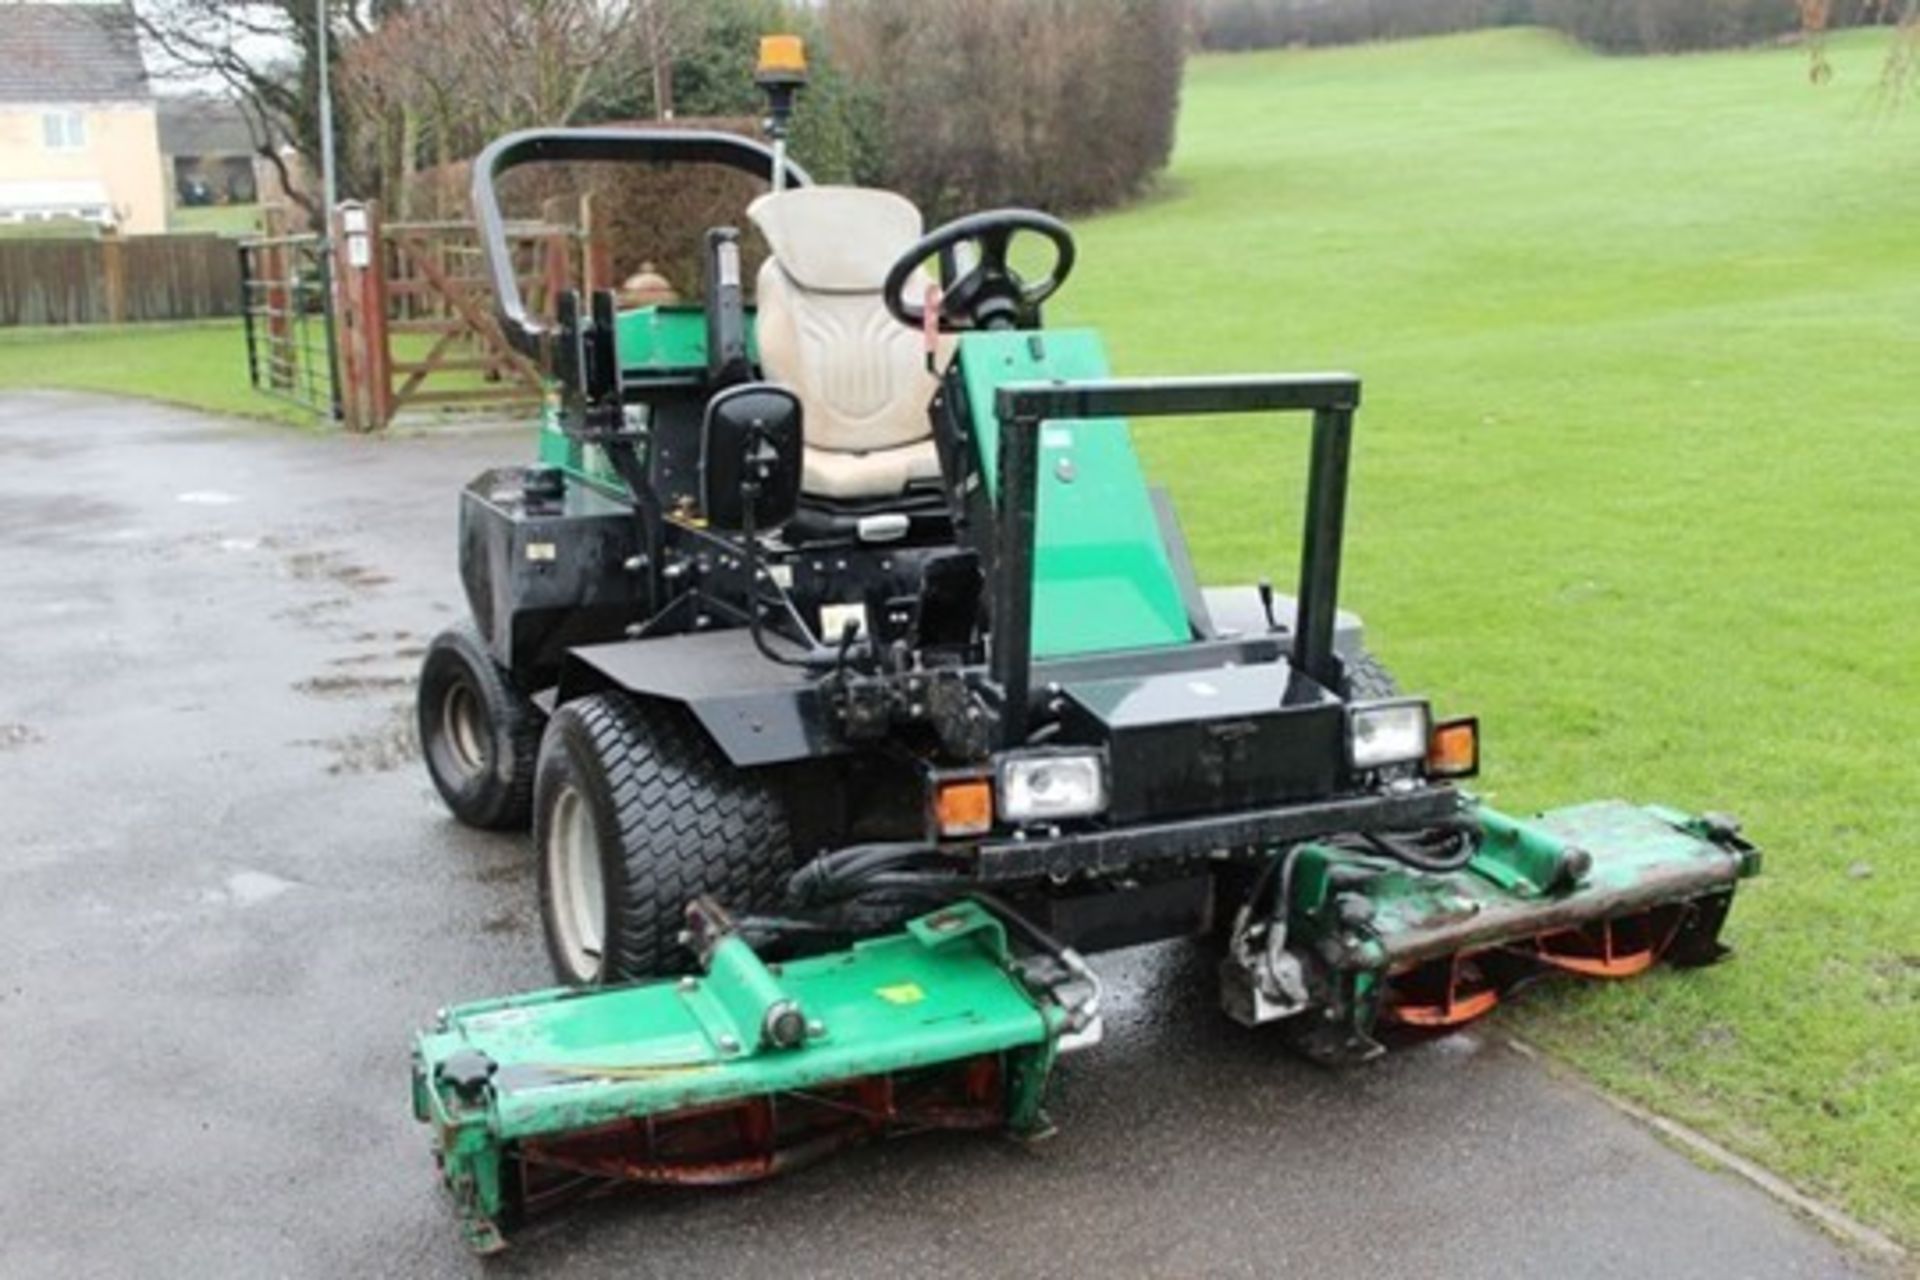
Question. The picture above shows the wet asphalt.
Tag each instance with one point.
(228, 895)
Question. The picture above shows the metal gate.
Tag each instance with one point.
(285, 286)
(398, 317)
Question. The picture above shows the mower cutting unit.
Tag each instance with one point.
(855, 684)
(745, 1071)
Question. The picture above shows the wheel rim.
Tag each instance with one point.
(579, 891)
(460, 725)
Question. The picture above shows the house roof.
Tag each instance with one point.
(71, 53)
(200, 126)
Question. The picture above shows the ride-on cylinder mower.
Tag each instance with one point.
(854, 684)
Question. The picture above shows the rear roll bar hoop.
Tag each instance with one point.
(635, 146)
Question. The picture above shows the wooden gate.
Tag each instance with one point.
(417, 327)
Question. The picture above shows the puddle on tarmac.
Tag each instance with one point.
(19, 735)
(249, 888)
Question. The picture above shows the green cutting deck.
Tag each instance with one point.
(505, 1080)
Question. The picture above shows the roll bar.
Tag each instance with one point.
(1021, 407)
(535, 146)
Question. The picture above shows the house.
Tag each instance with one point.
(208, 151)
(79, 132)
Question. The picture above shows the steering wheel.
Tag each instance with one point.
(990, 294)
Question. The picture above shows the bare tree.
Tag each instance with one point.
(1900, 73)
(435, 83)
(664, 29)
(264, 54)
(533, 61)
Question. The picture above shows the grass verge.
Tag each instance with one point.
(202, 366)
(1634, 480)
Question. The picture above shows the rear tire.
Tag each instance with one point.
(636, 812)
(479, 734)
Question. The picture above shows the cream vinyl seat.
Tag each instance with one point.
(825, 333)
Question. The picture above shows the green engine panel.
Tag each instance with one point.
(1102, 579)
(665, 338)
(658, 341)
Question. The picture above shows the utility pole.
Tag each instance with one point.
(329, 188)
(330, 196)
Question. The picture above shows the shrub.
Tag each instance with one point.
(1065, 105)
(1062, 104)
(1670, 26)
(1621, 26)
(1265, 24)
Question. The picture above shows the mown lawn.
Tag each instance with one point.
(1638, 480)
(202, 365)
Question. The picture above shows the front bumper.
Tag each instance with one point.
(1029, 857)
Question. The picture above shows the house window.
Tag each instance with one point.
(63, 130)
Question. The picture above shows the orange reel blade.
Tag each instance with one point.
(1463, 994)
(1626, 966)
(1609, 960)
(1452, 1014)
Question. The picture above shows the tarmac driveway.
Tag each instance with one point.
(228, 895)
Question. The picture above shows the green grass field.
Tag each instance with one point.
(202, 365)
(1636, 480)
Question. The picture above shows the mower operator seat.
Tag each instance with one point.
(824, 332)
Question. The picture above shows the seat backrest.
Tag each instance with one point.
(822, 327)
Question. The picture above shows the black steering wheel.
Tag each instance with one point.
(990, 294)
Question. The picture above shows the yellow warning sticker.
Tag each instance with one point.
(902, 993)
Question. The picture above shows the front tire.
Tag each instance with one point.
(636, 812)
(478, 732)
(1368, 679)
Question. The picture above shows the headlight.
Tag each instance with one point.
(1036, 786)
(1387, 733)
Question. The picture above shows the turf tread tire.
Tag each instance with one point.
(500, 797)
(675, 819)
(1368, 679)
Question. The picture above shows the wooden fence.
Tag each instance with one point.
(118, 278)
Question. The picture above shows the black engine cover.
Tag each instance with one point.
(544, 575)
(1192, 742)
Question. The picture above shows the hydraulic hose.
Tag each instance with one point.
(1086, 1012)
(750, 552)
(1440, 850)
(850, 872)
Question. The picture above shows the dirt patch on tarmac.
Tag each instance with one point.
(391, 744)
